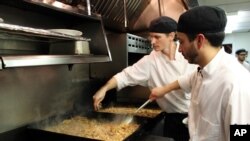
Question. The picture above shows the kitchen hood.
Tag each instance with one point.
(135, 15)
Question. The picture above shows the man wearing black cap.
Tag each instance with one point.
(220, 92)
(163, 65)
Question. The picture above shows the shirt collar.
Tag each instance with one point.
(211, 67)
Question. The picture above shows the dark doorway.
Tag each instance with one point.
(228, 48)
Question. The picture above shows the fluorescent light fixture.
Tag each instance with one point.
(231, 23)
(237, 21)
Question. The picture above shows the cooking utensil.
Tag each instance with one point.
(129, 118)
(143, 105)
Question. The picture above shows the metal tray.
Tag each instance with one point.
(35, 130)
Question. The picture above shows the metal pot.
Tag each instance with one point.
(82, 47)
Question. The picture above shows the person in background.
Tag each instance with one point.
(163, 65)
(241, 55)
(219, 88)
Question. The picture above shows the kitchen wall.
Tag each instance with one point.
(238, 40)
(31, 94)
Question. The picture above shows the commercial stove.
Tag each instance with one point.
(37, 131)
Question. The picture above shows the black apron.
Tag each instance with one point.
(174, 128)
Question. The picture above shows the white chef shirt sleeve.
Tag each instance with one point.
(185, 81)
(237, 111)
(249, 67)
(239, 102)
(137, 74)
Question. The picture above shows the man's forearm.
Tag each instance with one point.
(172, 86)
(111, 84)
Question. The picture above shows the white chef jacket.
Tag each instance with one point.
(156, 70)
(246, 65)
(220, 96)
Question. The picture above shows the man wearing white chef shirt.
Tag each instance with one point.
(163, 65)
(241, 55)
(220, 93)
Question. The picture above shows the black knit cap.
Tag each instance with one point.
(163, 24)
(202, 19)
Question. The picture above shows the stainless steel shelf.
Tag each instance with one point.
(34, 32)
(41, 60)
(16, 32)
(66, 10)
(26, 41)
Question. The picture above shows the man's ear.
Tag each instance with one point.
(172, 34)
(200, 40)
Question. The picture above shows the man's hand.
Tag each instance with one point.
(98, 97)
(156, 92)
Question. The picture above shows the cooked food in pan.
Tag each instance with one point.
(131, 110)
(94, 129)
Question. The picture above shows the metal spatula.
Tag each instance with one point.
(129, 118)
(143, 105)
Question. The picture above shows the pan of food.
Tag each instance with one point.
(90, 126)
(129, 112)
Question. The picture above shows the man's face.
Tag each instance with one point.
(242, 56)
(159, 41)
(187, 48)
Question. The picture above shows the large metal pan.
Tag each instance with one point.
(36, 132)
(130, 118)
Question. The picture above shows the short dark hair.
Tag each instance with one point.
(240, 51)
